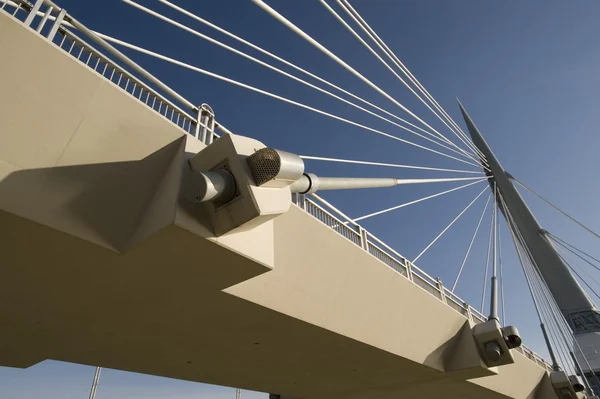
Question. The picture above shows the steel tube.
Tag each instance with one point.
(310, 183)
(214, 185)
(494, 300)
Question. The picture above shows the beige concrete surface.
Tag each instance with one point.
(101, 263)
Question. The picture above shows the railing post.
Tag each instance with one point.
(301, 201)
(469, 314)
(198, 118)
(409, 272)
(33, 12)
(57, 23)
(441, 288)
(364, 242)
(205, 124)
(44, 19)
(211, 125)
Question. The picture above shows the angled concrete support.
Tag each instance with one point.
(462, 358)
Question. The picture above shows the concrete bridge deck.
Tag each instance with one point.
(102, 263)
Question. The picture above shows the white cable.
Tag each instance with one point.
(286, 74)
(487, 264)
(470, 244)
(545, 292)
(284, 61)
(551, 322)
(367, 28)
(568, 330)
(449, 225)
(331, 55)
(357, 36)
(308, 157)
(561, 253)
(571, 248)
(557, 208)
(269, 94)
(550, 300)
(414, 202)
(533, 293)
(386, 64)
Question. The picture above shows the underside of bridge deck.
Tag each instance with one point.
(102, 263)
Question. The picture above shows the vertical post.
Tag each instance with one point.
(57, 23)
(300, 201)
(364, 243)
(33, 12)
(550, 350)
(198, 119)
(440, 286)
(469, 314)
(44, 19)
(409, 269)
(206, 124)
(494, 285)
(238, 393)
(212, 124)
(95, 382)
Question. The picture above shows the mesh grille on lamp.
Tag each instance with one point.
(264, 165)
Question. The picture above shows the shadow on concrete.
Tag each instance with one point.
(114, 204)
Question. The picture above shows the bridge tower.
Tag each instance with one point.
(578, 309)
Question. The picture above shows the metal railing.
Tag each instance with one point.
(57, 26)
(347, 228)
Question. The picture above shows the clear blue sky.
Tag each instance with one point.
(528, 73)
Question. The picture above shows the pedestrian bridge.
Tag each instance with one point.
(104, 263)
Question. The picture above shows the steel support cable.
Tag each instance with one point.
(355, 34)
(557, 208)
(364, 25)
(553, 327)
(449, 225)
(360, 39)
(275, 96)
(553, 336)
(560, 320)
(471, 244)
(393, 208)
(571, 248)
(392, 165)
(487, 264)
(568, 330)
(282, 60)
(560, 342)
(564, 332)
(555, 365)
(550, 299)
(540, 281)
(334, 57)
(286, 74)
(401, 66)
(561, 253)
